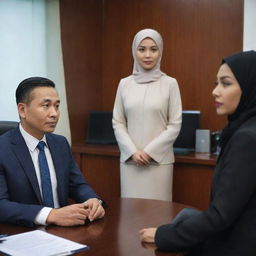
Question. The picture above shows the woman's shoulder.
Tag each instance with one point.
(124, 82)
(249, 125)
(126, 79)
(168, 80)
(247, 131)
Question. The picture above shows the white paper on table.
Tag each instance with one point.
(39, 243)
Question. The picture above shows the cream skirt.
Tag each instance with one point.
(150, 182)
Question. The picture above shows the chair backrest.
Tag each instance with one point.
(7, 125)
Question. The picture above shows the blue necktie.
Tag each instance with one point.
(46, 184)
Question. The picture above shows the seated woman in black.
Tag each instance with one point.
(228, 226)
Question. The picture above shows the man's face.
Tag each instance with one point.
(41, 115)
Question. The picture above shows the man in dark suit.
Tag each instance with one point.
(24, 190)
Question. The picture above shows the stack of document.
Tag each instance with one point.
(39, 243)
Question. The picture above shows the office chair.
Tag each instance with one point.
(7, 125)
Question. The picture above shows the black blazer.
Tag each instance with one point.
(228, 226)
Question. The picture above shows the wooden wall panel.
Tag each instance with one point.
(97, 37)
(192, 184)
(197, 34)
(102, 173)
(81, 34)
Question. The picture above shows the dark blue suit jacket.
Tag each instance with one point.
(20, 198)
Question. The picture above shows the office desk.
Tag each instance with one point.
(191, 175)
(117, 233)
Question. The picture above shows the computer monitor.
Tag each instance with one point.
(186, 139)
(99, 128)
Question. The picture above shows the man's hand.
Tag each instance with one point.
(95, 209)
(141, 158)
(70, 215)
(147, 235)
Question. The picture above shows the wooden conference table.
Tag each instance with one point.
(117, 233)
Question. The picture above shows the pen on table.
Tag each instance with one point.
(64, 253)
(2, 236)
(71, 252)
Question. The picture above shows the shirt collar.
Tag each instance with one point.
(30, 140)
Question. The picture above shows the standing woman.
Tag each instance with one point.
(228, 226)
(146, 121)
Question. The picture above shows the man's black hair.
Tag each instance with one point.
(24, 89)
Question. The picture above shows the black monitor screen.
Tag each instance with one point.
(187, 136)
(99, 128)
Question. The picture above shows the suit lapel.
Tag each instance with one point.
(21, 151)
(57, 159)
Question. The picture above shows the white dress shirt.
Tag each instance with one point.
(32, 143)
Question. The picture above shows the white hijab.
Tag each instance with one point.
(139, 73)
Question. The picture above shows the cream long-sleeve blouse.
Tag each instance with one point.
(147, 117)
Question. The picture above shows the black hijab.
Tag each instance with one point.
(243, 66)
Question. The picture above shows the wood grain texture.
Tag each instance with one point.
(102, 173)
(116, 234)
(196, 34)
(81, 35)
(192, 174)
(97, 37)
(192, 184)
